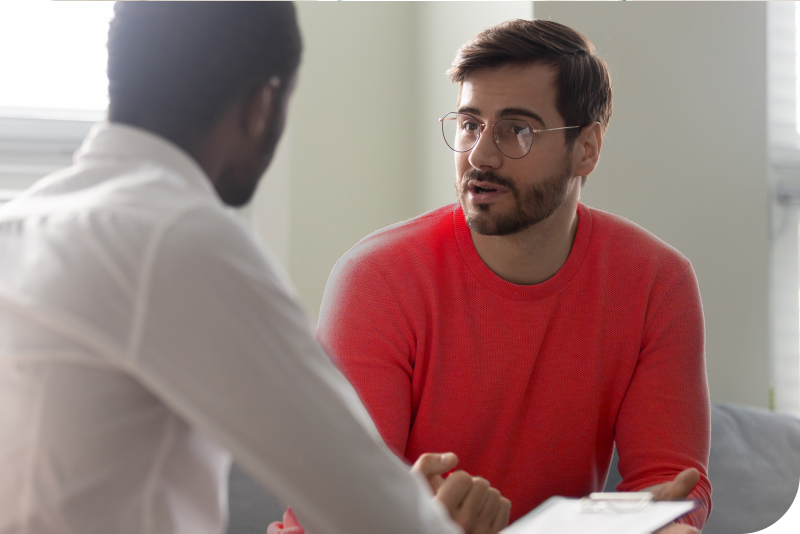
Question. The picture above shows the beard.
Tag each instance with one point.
(238, 182)
(532, 205)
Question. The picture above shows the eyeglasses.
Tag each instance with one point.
(513, 137)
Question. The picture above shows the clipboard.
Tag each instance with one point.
(601, 513)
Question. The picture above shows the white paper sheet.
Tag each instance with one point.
(559, 515)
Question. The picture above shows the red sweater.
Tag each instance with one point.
(529, 385)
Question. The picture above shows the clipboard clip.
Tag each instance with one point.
(622, 502)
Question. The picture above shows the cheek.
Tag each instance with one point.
(462, 164)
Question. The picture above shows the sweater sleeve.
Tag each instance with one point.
(663, 424)
(362, 328)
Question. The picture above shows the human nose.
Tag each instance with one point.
(485, 153)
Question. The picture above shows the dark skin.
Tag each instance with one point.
(238, 149)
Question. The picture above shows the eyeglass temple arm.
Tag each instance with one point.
(561, 128)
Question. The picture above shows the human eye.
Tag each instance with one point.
(469, 125)
(519, 128)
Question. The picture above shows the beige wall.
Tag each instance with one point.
(444, 27)
(685, 156)
(352, 120)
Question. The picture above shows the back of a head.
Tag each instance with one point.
(583, 83)
(174, 67)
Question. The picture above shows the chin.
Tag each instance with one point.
(485, 219)
(236, 192)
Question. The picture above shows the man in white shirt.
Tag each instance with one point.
(144, 335)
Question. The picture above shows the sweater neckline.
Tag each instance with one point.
(523, 292)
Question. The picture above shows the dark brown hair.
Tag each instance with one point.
(583, 84)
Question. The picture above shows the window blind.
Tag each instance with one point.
(784, 151)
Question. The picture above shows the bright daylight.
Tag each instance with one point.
(62, 76)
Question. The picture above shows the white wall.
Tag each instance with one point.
(686, 158)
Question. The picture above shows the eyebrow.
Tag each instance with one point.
(507, 112)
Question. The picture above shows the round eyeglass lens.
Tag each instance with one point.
(460, 131)
(513, 137)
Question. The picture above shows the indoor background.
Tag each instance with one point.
(685, 155)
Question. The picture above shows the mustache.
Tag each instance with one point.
(488, 176)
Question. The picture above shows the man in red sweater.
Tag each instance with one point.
(519, 328)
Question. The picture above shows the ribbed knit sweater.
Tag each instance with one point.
(530, 386)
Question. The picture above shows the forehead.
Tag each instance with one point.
(526, 87)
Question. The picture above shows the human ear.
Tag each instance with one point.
(260, 108)
(587, 149)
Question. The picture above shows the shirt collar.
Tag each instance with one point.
(121, 142)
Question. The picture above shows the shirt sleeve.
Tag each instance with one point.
(378, 361)
(220, 340)
(663, 423)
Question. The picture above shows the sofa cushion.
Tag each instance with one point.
(754, 468)
(251, 507)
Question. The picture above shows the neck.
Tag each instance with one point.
(203, 147)
(537, 253)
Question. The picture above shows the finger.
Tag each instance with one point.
(433, 465)
(683, 484)
(470, 509)
(491, 507)
(503, 515)
(453, 491)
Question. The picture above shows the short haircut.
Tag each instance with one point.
(176, 66)
(583, 84)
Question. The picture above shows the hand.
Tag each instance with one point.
(471, 501)
(432, 466)
(679, 488)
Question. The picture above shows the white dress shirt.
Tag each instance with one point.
(144, 338)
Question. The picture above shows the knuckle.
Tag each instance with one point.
(481, 483)
(460, 477)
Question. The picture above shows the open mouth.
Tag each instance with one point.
(479, 188)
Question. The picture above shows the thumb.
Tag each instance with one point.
(433, 465)
(683, 484)
(448, 462)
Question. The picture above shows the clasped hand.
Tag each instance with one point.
(471, 501)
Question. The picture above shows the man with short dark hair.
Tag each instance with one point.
(145, 338)
(519, 328)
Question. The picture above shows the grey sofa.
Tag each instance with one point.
(252, 508)
(754, 469)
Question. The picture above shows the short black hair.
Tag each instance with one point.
(174, 67)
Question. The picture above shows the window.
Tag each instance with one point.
(53, 65)
(784, 149)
